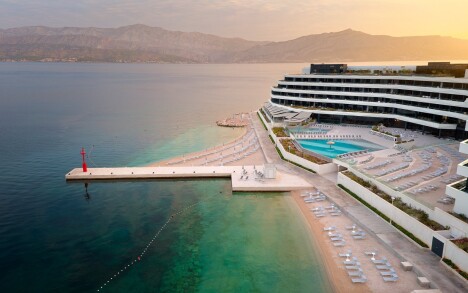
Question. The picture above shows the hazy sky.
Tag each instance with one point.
(251, 19)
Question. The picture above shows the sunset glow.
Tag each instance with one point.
(274, 20)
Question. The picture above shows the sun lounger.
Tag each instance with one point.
(350, 262)
(331, 228)
(393, 278)
(357, 266)
(330, 234)
(353, 227)
(334, 239)
(386, 266)
(320, 215)
(380, 261)
(339, 244)
(357, 273)
(344, 254)
(359, 237)
(335, 214)
(362, 279)
(391, 272)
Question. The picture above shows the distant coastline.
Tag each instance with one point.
(145, 44)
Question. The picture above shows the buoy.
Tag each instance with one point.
(139, 258)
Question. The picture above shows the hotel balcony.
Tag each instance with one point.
(459, 192)
(464, 147)
(462, 169)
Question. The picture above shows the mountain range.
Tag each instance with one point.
(141, 43)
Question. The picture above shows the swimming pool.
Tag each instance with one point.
(321, 147)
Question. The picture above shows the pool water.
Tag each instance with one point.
(340, 147)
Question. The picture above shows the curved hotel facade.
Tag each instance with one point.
(330, 93)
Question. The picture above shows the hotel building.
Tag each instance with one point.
(397, 97)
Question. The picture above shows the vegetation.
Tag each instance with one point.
(280, 132)
(264, 115)
(264, 126)
(462, 243)
(383, 216)
(377, 128)
(290, 147)
(294, 163)
(462, 217)
(271, 138)
(418, 214)
(456, 268)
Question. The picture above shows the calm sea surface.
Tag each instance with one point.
(54, 239)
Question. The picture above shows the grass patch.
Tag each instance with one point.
(456, 268)
(294, 163)
(418, 214)
(462, 217)
(462, 243)
(279, 132)
(263, 123)
(383, 216)
(271, 138)
(264, 115)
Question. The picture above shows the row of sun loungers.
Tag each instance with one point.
(249, 137)
(354, 270)
(447, 200)
(326, 136)
(370, 158)
(378, 165)
(452, 179)
(409, 173)
(392, 170)
(424, 189)
(387, 272)
(408, 185)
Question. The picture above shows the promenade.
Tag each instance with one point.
(243, 178)
(388, 238)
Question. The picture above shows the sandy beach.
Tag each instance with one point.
(244, 149)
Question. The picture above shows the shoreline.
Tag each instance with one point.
(337, 277)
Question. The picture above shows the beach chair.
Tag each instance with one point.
(354, 273)
(357, 266)
(362, 279)
(380, 261)
(386, 266)
(335, 239)
(391, 272)
(393, 278)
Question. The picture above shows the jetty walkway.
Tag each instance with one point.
(243, 178)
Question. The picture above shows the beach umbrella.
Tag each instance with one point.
(330, 143)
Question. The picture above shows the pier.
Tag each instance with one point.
(249, 182)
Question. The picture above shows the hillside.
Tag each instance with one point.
(140, 43)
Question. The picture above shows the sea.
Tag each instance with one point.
(120, 236)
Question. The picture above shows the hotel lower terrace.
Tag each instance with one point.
(389, 136)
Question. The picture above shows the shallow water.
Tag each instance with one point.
(54, 239)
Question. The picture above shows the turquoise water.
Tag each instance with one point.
(321, 147)
(55, 239)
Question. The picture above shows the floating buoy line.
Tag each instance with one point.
(139, 257)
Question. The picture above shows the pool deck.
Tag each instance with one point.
(283, 181)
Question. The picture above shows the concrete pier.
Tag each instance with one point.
(282, 182)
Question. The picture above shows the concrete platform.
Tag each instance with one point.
(283, 181)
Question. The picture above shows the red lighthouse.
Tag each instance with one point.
(85, 168)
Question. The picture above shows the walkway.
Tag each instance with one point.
(424, 260)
